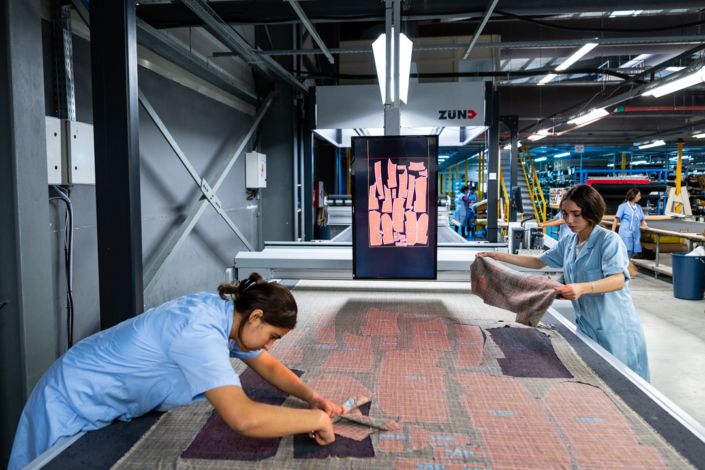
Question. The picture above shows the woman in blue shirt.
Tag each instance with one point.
(594, 262)
(170, 356)
(631, 221)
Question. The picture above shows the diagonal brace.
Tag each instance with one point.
(197, 209)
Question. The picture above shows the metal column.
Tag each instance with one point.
(512, 122)
(117, 168)
(307, 165)
(492, 121)
(28, 342)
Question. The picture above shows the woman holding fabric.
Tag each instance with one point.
(170, 356)
(594, 262)
(631, 221)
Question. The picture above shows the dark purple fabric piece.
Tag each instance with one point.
(217, 441)
(307, 448)
(528, 353)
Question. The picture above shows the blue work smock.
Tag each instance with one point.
(166, 357)
(563, 229)
(630, 218)
(610, 318)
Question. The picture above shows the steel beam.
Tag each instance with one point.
(231, 39)
(156, 267)
(492, 122)
(28, 339)
(117, 167)
(311, 29)
(167, 47)
(557, 43)
(478, 32)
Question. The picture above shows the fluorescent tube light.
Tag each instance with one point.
(590, 116)
(561, 155)
(577, 55)
(699, 136)
(540, 134)
(617, 13)
(547, 79)
(655, 143)
(379, 49)
(540, 159)
(640, 162)
(635, 61)
(678, 84)
(509, 145)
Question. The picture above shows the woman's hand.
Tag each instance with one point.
(330, 408)
(323, 434)
(489, 254)
(571, 291)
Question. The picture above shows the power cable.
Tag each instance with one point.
(68, 260)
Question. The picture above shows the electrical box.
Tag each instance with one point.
(54, 150)
(79, 163)
(255, 170)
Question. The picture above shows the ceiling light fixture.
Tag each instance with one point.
(686, 81)
(509, 145)
(540, 159)
(577, 55)
(594, 114)
(635, 61)
(655, 143)
(699, 136)
(538, 135)
(640, 162)
(379, 49)
(561, 155)
(547, 79)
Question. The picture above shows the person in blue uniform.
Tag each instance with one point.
(461, 211)
(563, 231)
(631, 221)
(170, 356)
(471, 215)
(595, 270)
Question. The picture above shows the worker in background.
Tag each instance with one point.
(631, 221)
(558, 221)
(461, 211)
(471, 215)
(595, 269)
(170, 356)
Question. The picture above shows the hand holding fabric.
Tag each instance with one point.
(330, 408)
(571, 291)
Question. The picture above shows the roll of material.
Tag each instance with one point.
(621, 189)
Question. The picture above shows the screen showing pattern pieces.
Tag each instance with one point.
(394, 202)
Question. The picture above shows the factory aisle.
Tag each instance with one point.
(675, 339)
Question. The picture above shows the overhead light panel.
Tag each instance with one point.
(617, 13)
(547, 79)
(699, 136)
(540, 159)
(686, 81)
(594, 114)
(540, 134)
(655, 143)
(379, 49)
(509, 145)
(635, 61)
(577, 55)
(562, 154)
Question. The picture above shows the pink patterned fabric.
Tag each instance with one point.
(527, 295)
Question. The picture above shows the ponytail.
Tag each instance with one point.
(276, 302)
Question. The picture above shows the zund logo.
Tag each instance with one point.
(456, 114)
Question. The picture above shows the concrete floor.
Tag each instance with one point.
(675, 340)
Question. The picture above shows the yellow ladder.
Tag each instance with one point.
(538, 201)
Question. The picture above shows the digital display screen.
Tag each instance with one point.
(394, 206)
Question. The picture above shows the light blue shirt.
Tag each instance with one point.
(610, 318)
(166, 357)
(630, 218)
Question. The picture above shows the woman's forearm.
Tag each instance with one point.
(611, 283)
(531, 262)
